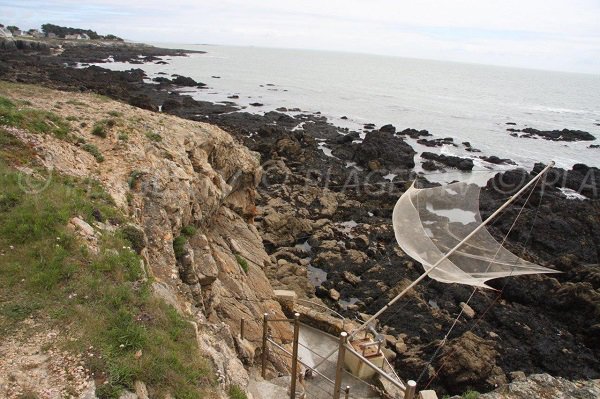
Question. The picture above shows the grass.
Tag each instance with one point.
(180, 241)
(33, 120)
(102, 127)
(242, 262)
(92, 149)
(236, 392)
(470, 395)
(100, 301)
(154, 137)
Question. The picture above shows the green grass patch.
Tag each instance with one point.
(102, 127)
(33, 120)
(154, 137)
(115, 114)
(242, 262)
(123, 137)
(92, 149)
(101, 299)
(180, 241)
(235, 392)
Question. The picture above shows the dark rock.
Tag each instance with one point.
(388, 129)
(344, 117)
(233, 96)
(430, 166)
(186, 81)
(414, 133)
(511, 123)
(556, 135)
(257, 104)
(391, 151)
(449, 160)
(498, 161)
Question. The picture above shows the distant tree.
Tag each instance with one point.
(12, 28)
(113, 37)
(62, 31)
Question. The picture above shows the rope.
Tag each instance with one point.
(493, 302)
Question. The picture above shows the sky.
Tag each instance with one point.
(559, 35)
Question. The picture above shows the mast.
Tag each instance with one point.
(427, 272)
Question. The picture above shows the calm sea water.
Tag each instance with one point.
(465, 101)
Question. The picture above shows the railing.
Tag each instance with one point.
(409, 389)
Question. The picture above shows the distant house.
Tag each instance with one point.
(78, 36)
(5, 32)
(17, 32)
(51, 35)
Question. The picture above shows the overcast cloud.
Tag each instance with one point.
(550, 34)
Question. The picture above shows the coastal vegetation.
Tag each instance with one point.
(101, 300)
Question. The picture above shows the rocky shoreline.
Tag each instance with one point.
(324, 206)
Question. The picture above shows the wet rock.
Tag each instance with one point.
(390, 151)
(388, 129)
(414, 133)
(556, 135)
(449, 160)
(498, 161)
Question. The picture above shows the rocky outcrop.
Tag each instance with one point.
(544, 386)
(555, 135)
(449, 160)
(192, 194)
(386, 149)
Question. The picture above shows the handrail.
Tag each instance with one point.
(299, 360)
(382, 373)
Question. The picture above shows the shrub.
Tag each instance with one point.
(189, 230)
(242, 262)
(123, 136)
(114, 113)
(135, 236)
(470, 395)
(179, 246)
(99, 130)
(92, 149)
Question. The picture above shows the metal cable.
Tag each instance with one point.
(493, 302)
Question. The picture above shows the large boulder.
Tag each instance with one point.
(391, 151)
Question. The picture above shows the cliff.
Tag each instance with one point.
(188, 191)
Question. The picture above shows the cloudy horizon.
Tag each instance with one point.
(552, 35)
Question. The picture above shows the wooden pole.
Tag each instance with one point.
(450, 252)
(242, 328)
(264, 344)
(347, 394)
(340, 365)
(411, 388)
(295, 355)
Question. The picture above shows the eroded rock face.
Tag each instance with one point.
(468, 361)
(198, 183)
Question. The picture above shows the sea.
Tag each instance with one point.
(468, 102)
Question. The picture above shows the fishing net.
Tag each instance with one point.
(429, 222)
